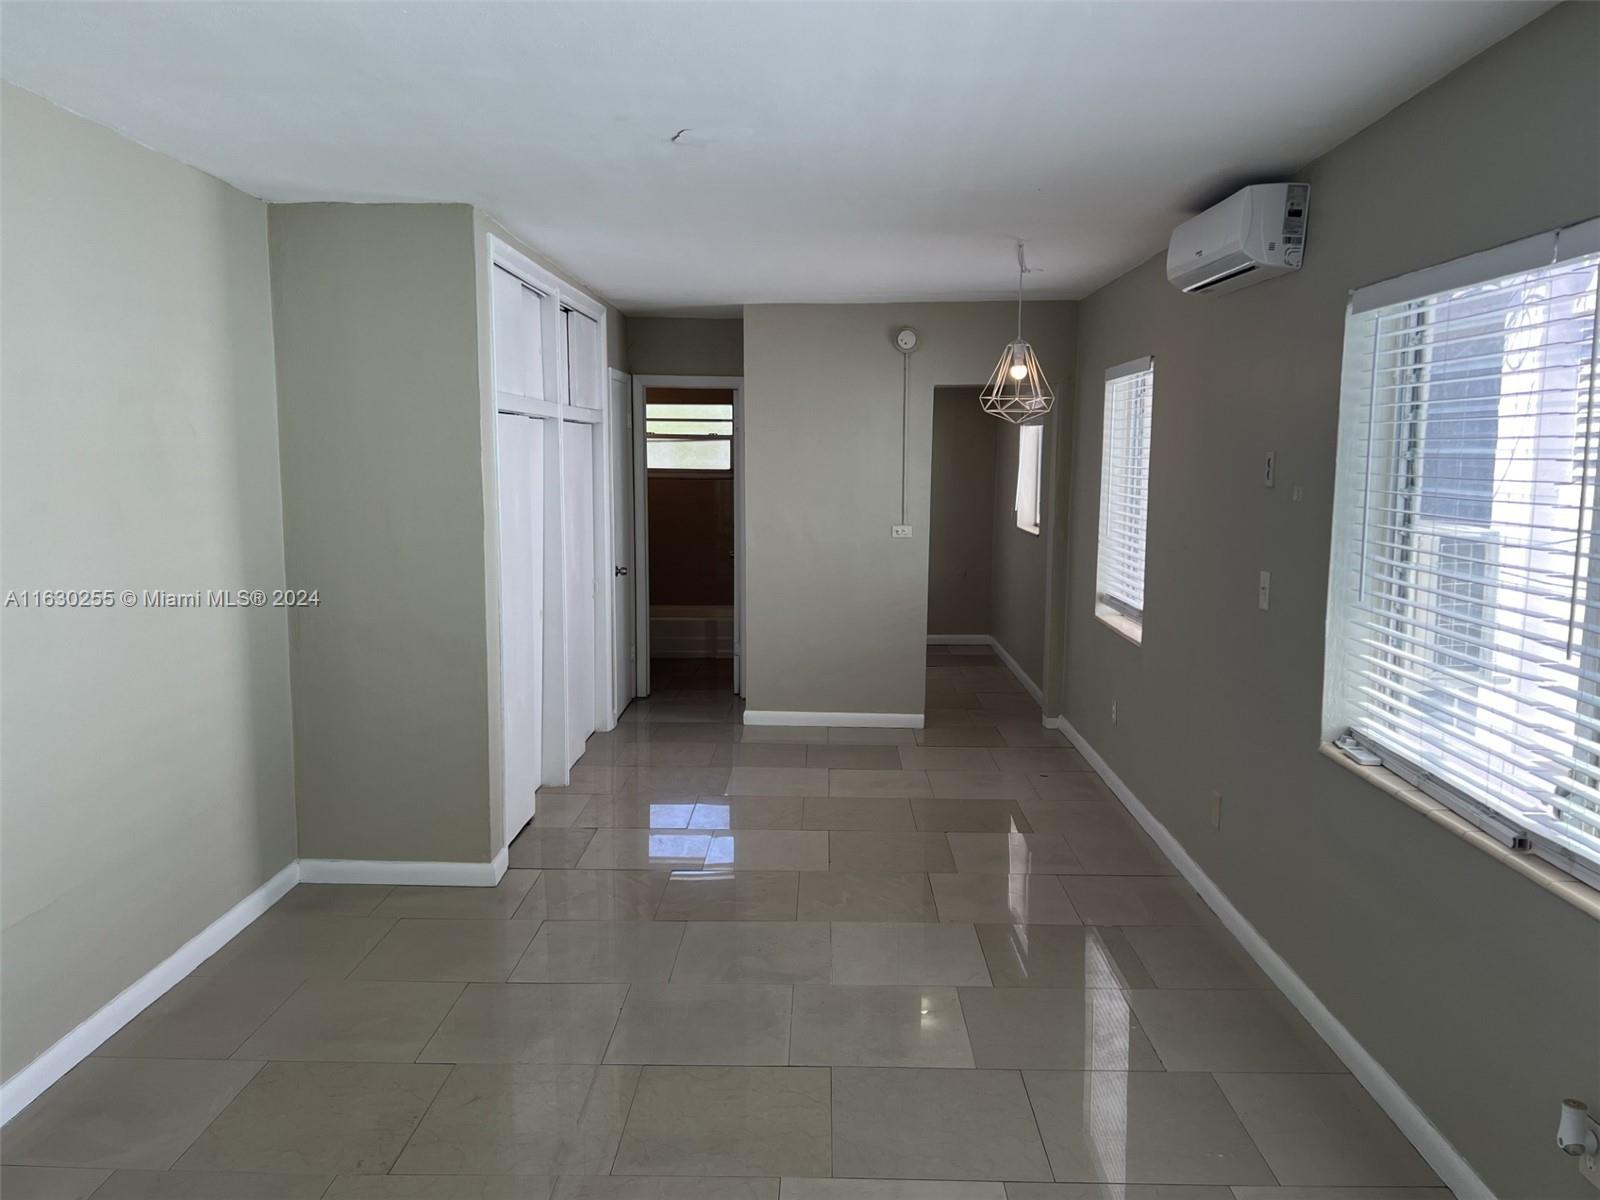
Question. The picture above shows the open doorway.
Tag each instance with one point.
(689, 526)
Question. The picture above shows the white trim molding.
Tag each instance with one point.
(426, 874)
(1004, 655)
(854, 720)
(27, 1084)
(1434, 1147)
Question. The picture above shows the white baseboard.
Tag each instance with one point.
(857, 720)
(428, 874)
(26, 1085)
(1434, 1147)
(1004, 655)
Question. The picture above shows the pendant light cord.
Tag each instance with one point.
(1022, 269)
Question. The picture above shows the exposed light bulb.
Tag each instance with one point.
(1019, 370)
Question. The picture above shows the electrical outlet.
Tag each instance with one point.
(1269, 476)
(899, 531)
(1589, 1168)
(1264, 591)
(1298, 493)
(1113, 710)
(1216, 809)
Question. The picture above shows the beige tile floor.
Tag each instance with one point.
(733, 963)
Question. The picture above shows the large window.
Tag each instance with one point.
(688, 437)
(1124, 496)
(1030, 465)
(1464, 629)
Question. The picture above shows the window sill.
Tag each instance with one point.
(1125, 626)
(1033, 529)
(1552, 878)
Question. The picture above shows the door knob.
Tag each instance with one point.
(620, 570)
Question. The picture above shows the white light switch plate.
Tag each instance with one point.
(899, 531)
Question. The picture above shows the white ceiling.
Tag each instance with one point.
(834, 151)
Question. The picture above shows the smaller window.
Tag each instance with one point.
(688, 437)
(1030, 462)
(1124, 497)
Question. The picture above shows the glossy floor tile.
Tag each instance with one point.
(527, 1023)
(124, 1112)
(856, 850)
(1060, 956)
(1142, 1127)
(866, 896)
(735, 962)
(1323, 1129)
(754, 952)
(711, 1025)
(318, 1116)
(353, 1020)
(601, 952)
(729, 1121)
(1236, 1030)
(201, 1017)
(725, 895)
(934, 1124)
(878, 1027)
(463, 951)
(462, 903)
(915, 954)
(1056, 1028)
(523, 1119)
(768, 850)
(594, 896)
(980, 898)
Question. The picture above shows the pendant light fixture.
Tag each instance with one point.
(1018, 391)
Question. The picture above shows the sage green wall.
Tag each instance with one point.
(376, 320)
(147, 775)
(685, 346)
(837, 612)
(1476, 989)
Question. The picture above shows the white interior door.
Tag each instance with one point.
(623, 574)
(578, 453)
(520, 443)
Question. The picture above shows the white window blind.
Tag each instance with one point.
(1030, 462)
(1124, 494)
(1464, 615)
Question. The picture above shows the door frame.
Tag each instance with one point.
(641, 518)
(619, 435)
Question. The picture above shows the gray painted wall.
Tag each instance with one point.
(837, 612)
(1017, 574)
(1476, 989)
(685, 346)
(961, 514)
(375, 310)
(147, 773)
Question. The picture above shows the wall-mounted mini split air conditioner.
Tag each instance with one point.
(1254, 234)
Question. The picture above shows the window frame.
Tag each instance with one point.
(1030, 433)
(1115, 611)
(1348, 551)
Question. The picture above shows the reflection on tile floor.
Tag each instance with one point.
(734, 963)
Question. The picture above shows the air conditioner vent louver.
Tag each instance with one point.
(1254, 234)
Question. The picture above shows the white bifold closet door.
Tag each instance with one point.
(522, 568)
(578, 452)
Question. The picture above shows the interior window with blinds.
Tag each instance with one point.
(688, 436)
(1464, 617)
(1124, 496)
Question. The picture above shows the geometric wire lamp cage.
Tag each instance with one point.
(1017, 391)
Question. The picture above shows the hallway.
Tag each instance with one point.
(736, 962)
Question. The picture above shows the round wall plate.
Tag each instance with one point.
(906, 339)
